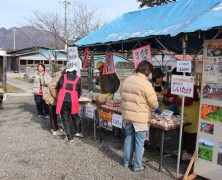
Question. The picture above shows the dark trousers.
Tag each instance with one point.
(1, 99)
(70, 121)
(189, 142)
(53, 117)
(42, 107)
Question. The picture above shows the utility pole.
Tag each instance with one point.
(66, 3)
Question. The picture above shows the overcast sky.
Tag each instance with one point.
(13, 12)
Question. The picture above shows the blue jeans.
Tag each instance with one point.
(133, 143)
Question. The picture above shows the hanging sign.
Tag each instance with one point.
(184, 66)
(117, 120)
(86, 58)
(182, 85)
(73, 60)
(108, 67)
(89, 112)
(142, 54)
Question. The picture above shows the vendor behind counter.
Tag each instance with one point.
(109, 84)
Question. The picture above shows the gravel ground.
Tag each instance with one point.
(29, 151)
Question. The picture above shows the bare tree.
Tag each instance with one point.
(81, 20)
(151, 3)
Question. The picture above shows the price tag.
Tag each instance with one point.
(183, 66)
(117, 121)
(167, 113)
(89, 112)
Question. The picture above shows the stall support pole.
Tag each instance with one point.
(182, 110)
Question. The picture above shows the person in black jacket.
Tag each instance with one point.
(69, 84)
(109, 84)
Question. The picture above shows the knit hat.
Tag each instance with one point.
(157, 72)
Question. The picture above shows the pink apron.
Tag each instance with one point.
(74, 96)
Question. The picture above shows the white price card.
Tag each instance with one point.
(89, 111)
(117, 121)
(167, 113)
(183, 66)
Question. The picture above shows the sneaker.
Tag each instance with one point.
(54, 133)
(79, 135)
(47, 117)
(141, 169)
(40, 116)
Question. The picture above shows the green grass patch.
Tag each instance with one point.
(13, 89)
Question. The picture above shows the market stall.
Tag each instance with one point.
(183, 31)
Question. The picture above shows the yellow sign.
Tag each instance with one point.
(107, 116)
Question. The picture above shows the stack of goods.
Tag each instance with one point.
(166, 122)
(113, 105)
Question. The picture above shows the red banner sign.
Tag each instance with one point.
(108, 67)
(86, 58)
(142, 54)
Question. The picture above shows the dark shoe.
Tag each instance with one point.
(141, 169)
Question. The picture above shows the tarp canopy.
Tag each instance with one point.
(162, 22)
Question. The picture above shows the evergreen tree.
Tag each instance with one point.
(151, 3)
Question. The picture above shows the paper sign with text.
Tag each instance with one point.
(142, 54)
(182, 85)
(73, 60)
(117, 121)
(184, 66)
(167, 113)
(89, 112)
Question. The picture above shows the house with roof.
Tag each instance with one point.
(27, 59)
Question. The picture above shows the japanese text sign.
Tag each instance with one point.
(89, 111)
(107, 116)
(182, 85)
(142, 54)
(72, 53)
(117, 121)
(108, 67)
(73, 59)
(183, 66)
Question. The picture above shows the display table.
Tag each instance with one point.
(163, 130)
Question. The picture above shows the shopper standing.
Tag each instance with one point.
(138, 98)
(41, 80)
(50, 96)
(69, 91)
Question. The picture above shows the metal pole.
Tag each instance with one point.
(182, 110)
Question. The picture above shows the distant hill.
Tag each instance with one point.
(25, 36)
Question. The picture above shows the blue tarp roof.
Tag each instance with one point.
(170, 19)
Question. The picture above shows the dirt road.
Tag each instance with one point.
(29, 151)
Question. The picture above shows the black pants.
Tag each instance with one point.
(70, 121)
(53, 117)
(42, 107)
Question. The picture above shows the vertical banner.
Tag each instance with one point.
(108, 67)
(142, 54)
(73, 59)
(86, 58)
